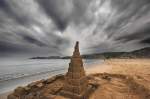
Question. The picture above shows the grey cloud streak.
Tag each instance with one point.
(50, 27)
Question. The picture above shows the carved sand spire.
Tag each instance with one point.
(76, 52)
(75, 86)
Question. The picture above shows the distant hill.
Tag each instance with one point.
(141, 53)
(49, 57)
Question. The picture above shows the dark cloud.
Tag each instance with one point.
(5, 6)
(139, 34)
(146, 41)
(54, 8)
(10, 48)
(128, 11)
(52, 26)
(65, 11)
(32, 40)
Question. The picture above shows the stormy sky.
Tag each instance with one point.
(51, 27)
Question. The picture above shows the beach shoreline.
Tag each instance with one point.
(132, 67)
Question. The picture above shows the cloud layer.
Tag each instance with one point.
(51, 27)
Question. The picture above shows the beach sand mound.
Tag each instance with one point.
(105, 86)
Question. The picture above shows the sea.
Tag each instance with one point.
(20, 72)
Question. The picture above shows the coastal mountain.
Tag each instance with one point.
(49, 57)
(141, 53)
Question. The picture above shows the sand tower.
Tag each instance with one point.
(76, 84)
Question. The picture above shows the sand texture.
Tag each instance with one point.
(114, 79)
(135, 85)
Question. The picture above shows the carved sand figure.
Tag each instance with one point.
(76, 83)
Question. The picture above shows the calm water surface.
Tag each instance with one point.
(19, 72)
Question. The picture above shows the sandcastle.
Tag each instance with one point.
(76, 83)
(73, 85)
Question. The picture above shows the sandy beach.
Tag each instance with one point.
(136, 68)
(122, 66)
(4, 95)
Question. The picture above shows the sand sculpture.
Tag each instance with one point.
(73, 85)
(76, 83)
